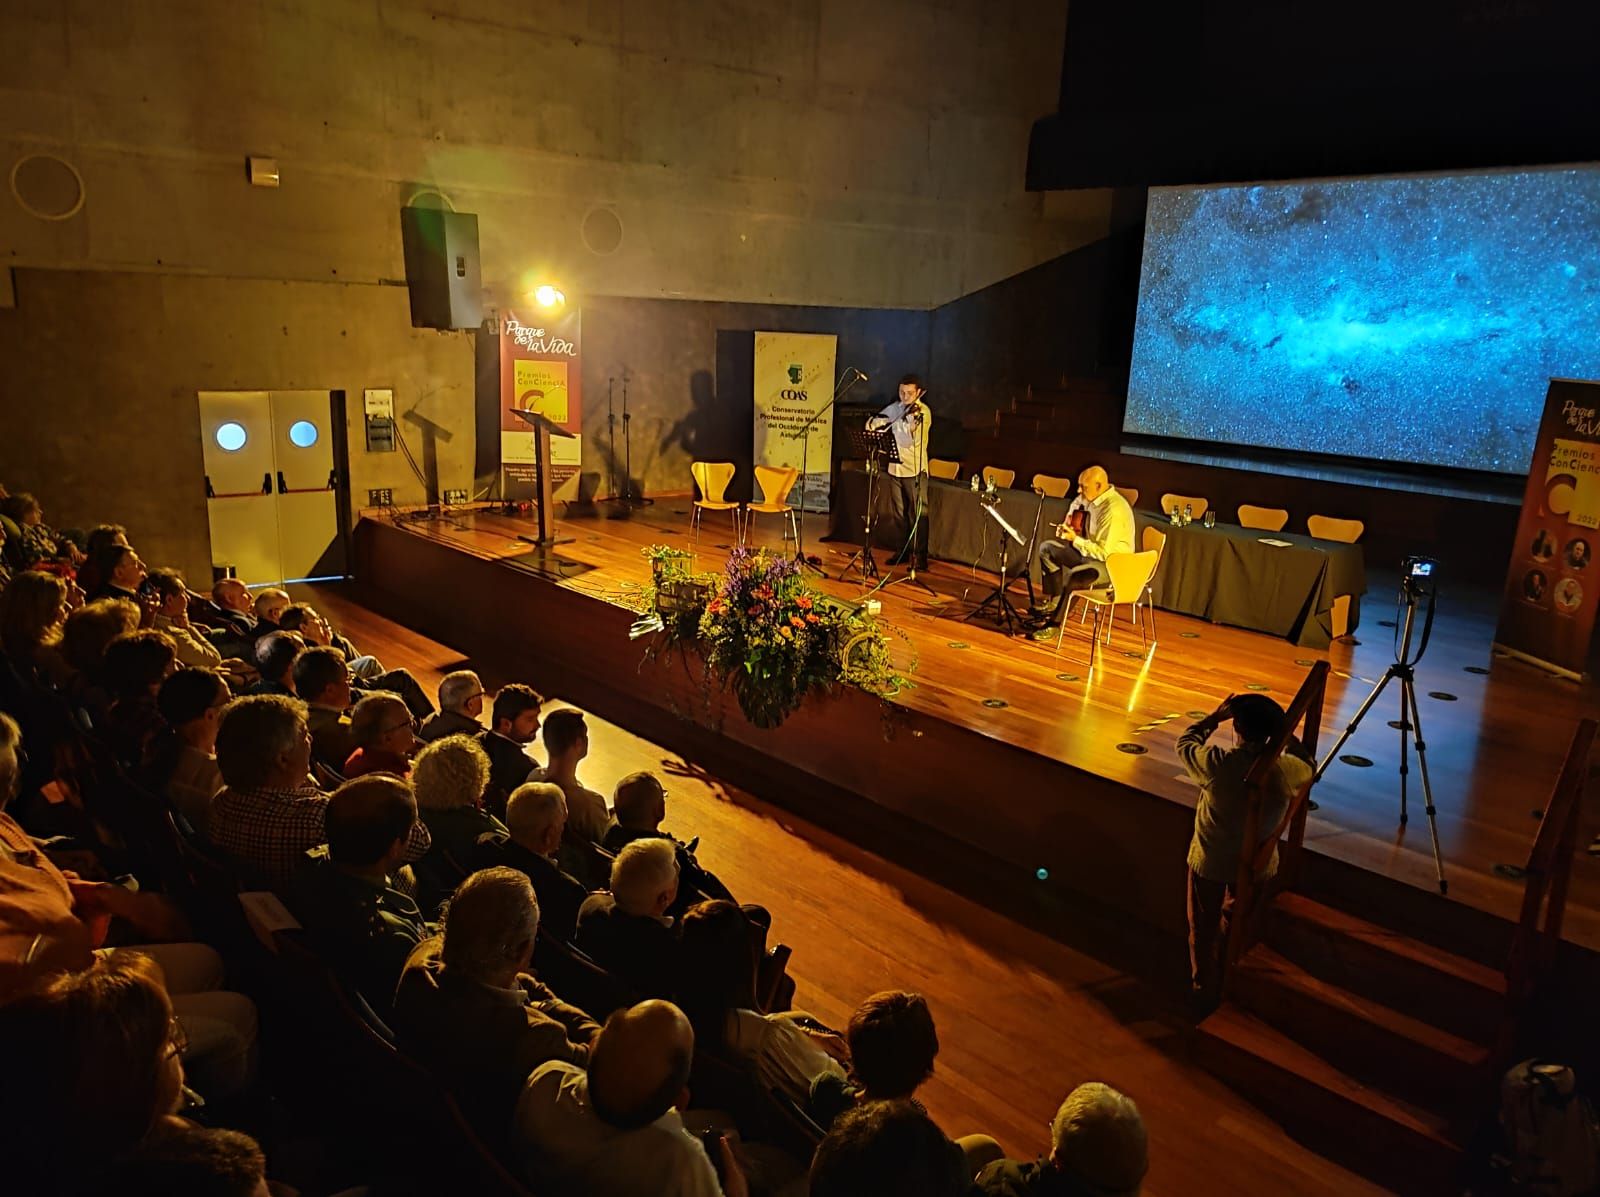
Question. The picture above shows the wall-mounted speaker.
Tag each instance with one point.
(442, 267)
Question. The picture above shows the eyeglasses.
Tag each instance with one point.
(177, 1039)
(394, 727)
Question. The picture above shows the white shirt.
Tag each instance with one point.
(911, 432)
(1109, 528)
(785, 1057)
(563, 1146)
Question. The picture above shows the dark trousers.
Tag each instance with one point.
(400, 681)
(1210, 906)
(1062, 568)
(899, 503)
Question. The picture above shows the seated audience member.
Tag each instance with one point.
(888, 1149)
(367, 672)
(194, 649)
(33, 611)
(345, 897)
(1219, 819)
(84, 638)
(100, 1048)
(640, 805)
(275, 654)
(191, 703)
(233, 611)
(269, 813)
(121, 575)
(535, 815)
(460, 704)
(135, 666)
(628, 931)
(615, 1131)
(184, 1159)
(270, 603)
(36, 543)
(448, 778)
(717, 959)
(322, 682)
(50, 923)
(384, 733)
(100, 538)
(513, 725)
(1097, 1149)
(566, 740)
(469, 1010)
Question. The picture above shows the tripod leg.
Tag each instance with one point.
(1410, 694)
(1405, 746)
(1361, 713)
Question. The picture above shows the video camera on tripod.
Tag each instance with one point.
(1418, 578)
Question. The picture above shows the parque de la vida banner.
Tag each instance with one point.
(540, 370)
(793, 382)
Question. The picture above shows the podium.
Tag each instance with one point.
(542, 430)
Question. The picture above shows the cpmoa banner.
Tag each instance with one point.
(540, 370)
(1552, 585)
(793, 382)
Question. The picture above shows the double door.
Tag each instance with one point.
(273, 462)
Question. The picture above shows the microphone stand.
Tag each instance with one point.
(628, 496)
(840, 390)
(611, 435)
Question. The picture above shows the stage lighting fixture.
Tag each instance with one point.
(547, 296)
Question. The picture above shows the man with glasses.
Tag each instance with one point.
(384, 731)
(460, 703)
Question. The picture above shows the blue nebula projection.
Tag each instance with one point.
(1403, 319)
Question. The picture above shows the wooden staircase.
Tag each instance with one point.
(1374, 1048)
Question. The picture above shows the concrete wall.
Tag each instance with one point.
(98, 391)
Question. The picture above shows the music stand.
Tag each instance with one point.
(1005, 614)
(878, 448)
(542, 430)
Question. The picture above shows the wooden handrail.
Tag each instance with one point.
(1257, 850)
(1549, 869)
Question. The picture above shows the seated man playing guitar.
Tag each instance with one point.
(1099, 522)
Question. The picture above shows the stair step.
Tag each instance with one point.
(1403, 1053)
(1380, 1136)
(1462, 996)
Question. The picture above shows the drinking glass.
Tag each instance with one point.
(1211, 519)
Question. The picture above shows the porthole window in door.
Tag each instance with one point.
(303, 434)
(231, 436)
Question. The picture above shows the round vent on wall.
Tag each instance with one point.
(47, 187)
(602, 230)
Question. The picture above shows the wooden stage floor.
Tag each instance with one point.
(1493, 749)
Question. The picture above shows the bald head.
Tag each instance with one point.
(639, 1066)
(1093, 483)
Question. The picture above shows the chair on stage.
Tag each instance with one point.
(1154, 541)
(1129, 493)
(1264, 519)
(940, 468)
(1130, 577)
(1197, 505)
(1051, 486)
(712, 477)
(775, 483)
(998, 475)
(1327, 527)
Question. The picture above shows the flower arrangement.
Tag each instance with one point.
(765, 633)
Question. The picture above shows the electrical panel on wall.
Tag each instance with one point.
(378, 409)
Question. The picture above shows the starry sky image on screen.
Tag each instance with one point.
(1404, 319)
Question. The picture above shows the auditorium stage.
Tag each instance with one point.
(1007, 747)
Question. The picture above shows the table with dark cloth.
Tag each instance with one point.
(1224, 574)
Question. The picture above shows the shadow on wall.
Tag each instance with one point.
(717, 427)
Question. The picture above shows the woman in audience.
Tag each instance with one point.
(39, 545)
(33, 609)
(717, 958)
(101, 1054)
(449, 777)
(185, 764)
(134, 668)
(84, 638)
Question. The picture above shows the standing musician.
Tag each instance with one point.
(912, 422)
(1099, 522)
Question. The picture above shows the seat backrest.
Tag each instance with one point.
(1327, 527)
(1130, 573)
(578, 979)
(999, 475)
(1052, 486)
(1154, 541)
(1267, 519)
(776, 482)
(1129, 493)
(712, 477)
(940, 468)
(1197, 505)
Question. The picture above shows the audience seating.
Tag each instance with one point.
(1327, 527)
(1052, 486)
(775, 482)
(940, 468)
(999, 476)
(1267, 519)
(1196, 504)
(712, 479)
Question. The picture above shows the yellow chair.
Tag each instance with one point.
(1197, 506)
(1327, 527)
(712, 477)
(1154, 541)
(1129, 493)
(940, 468)
(1130, 577)
(1052, 486)
(1264, 519)
(775, 482)
(999, 476)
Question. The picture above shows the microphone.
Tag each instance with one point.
(860, 375)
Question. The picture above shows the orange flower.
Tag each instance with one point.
(812, 618)
(786, 631)
(803, 602)
(797, 621)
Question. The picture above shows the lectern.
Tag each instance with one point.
(542, 430)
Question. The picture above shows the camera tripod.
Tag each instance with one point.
(1414, 589)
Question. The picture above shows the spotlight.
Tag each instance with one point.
(547, 296)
